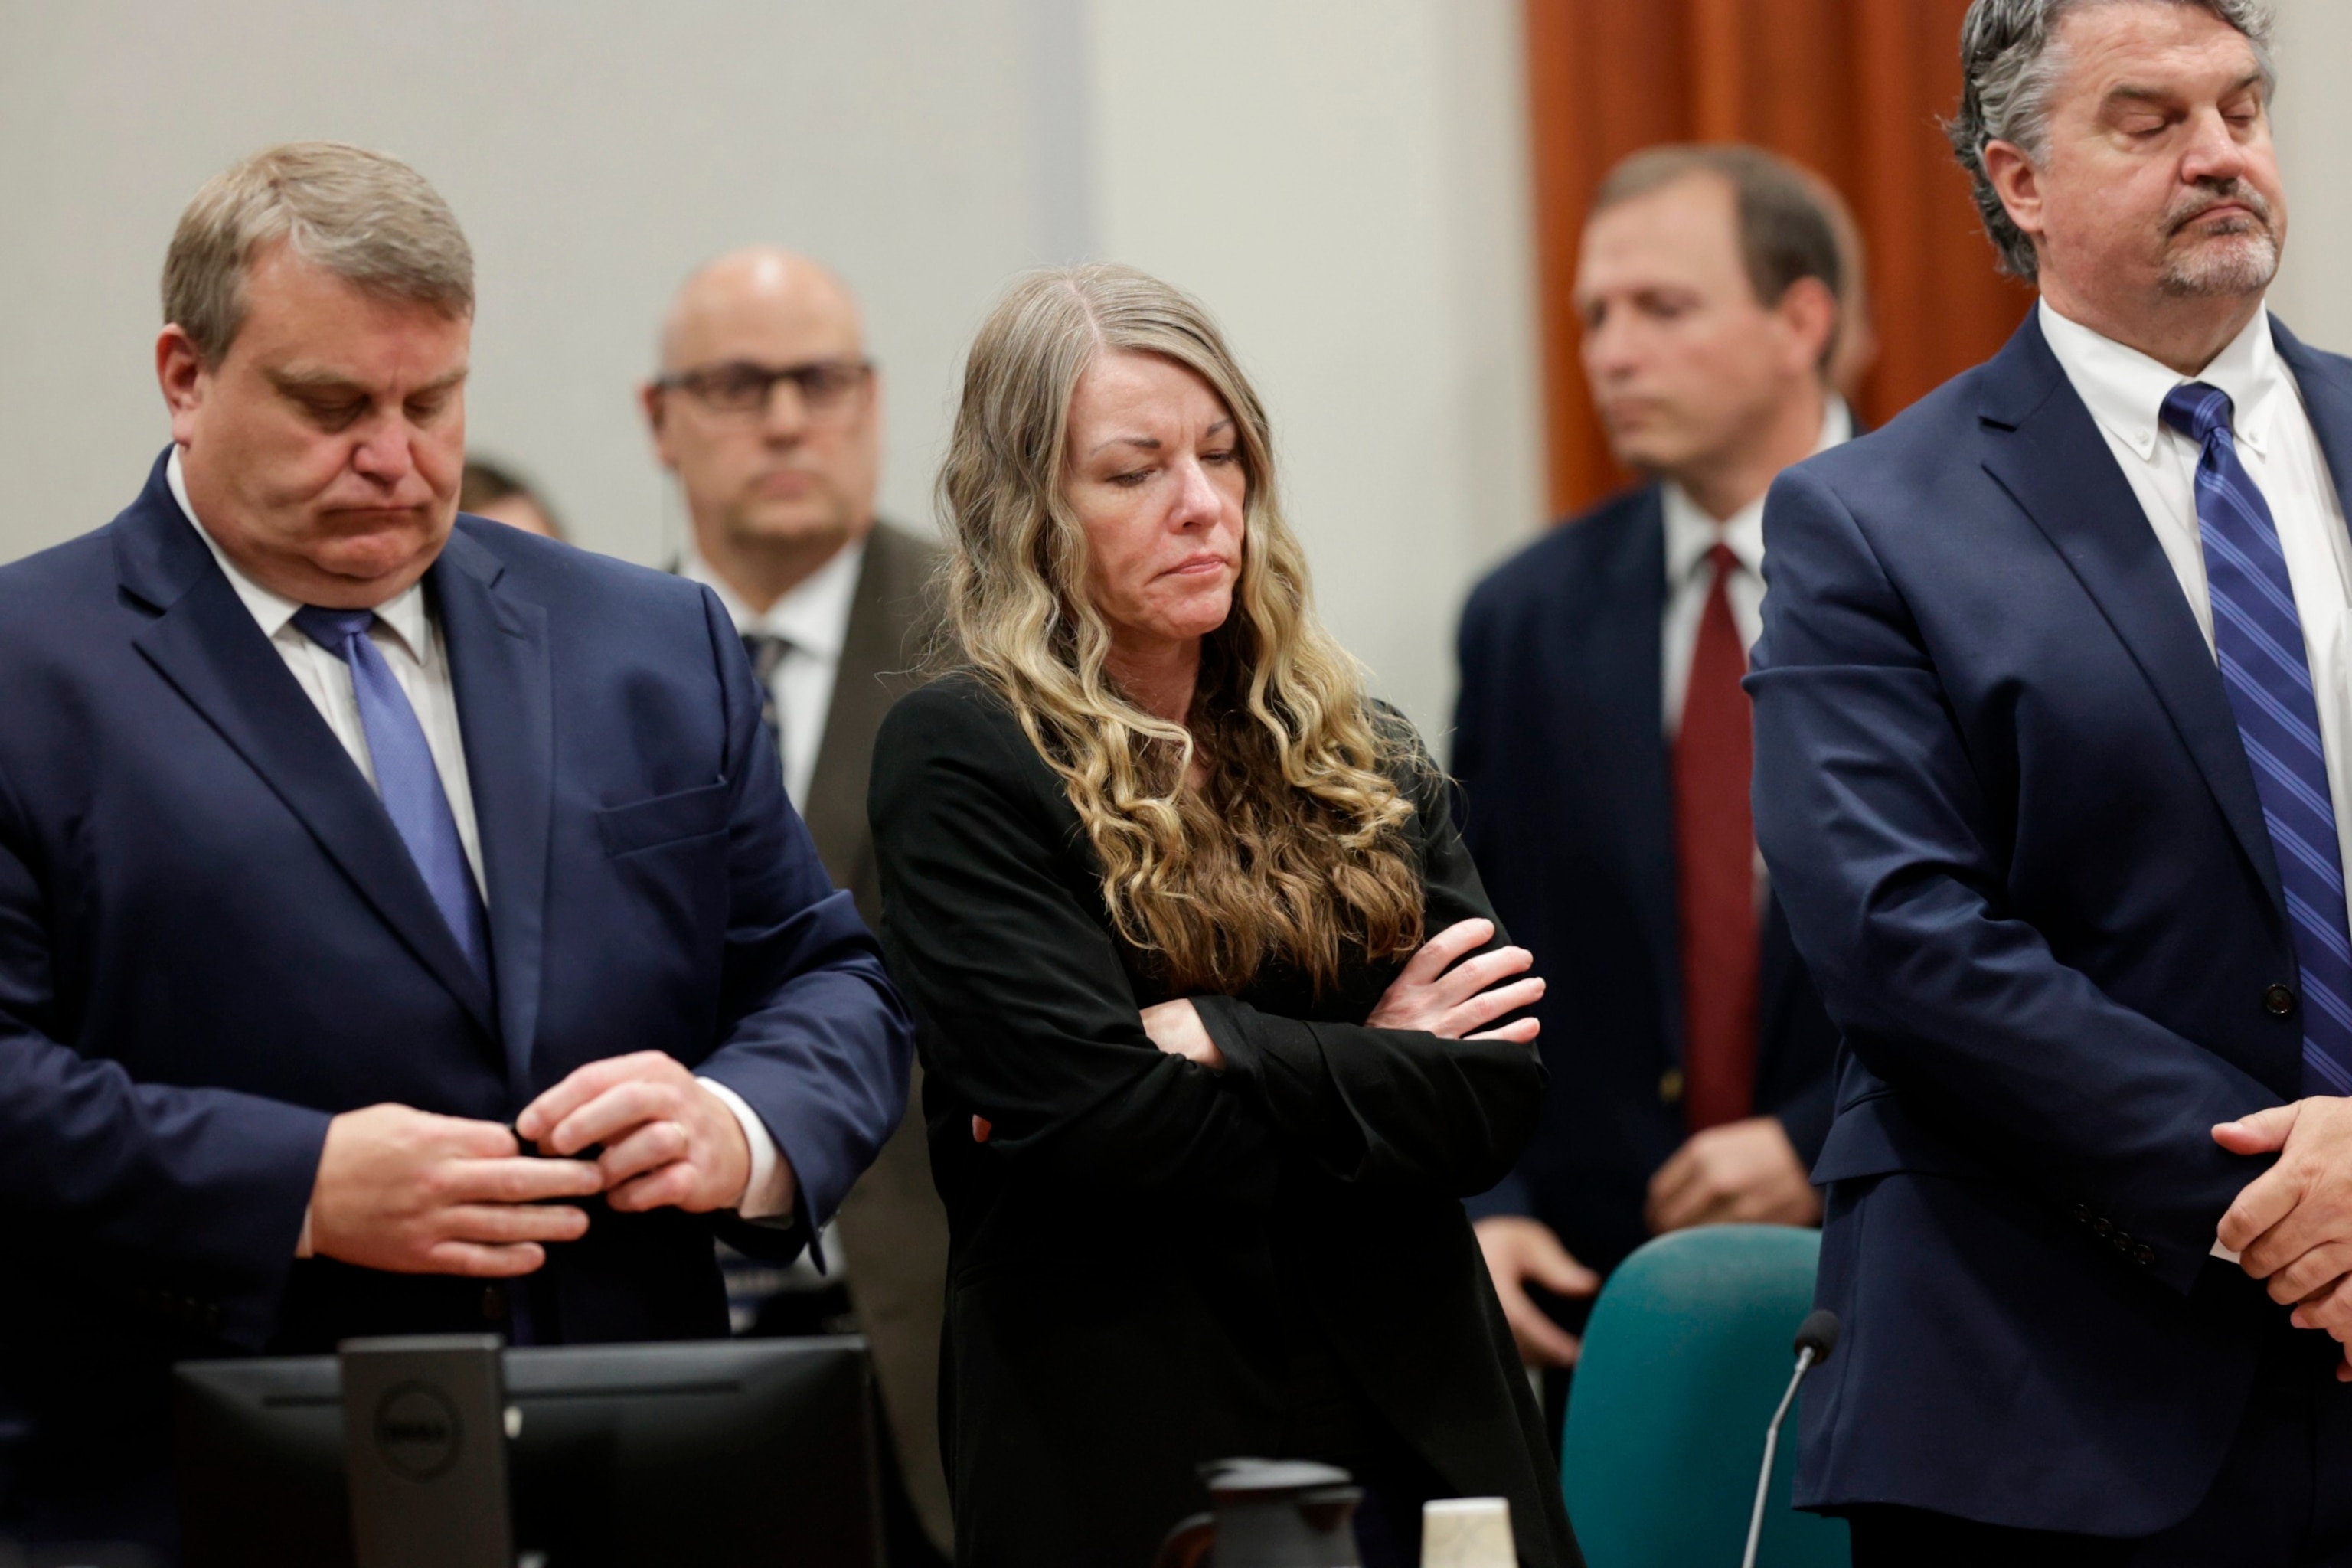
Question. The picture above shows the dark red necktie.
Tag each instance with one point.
(1715, 861)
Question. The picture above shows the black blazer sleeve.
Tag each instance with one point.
(1394, 1106)
(994, 924)
(1024, 1012)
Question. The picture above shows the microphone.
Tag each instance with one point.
(1816, 1337)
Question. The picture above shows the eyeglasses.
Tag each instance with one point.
(828, 388)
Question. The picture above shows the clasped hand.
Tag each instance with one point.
(1433, 992)
(1457, 1001)
(415, 1193)
(2292, 1226)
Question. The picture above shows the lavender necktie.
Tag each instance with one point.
(404, 774)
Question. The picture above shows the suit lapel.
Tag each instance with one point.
(500, 665)
(2044, 449)
(205, 642)
(1626, 752)
(2325, 385)
(876, 657)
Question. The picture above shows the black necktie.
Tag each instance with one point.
(767, 651)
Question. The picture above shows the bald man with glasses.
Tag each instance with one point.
(769, 413)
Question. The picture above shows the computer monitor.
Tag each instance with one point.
(723, 1453)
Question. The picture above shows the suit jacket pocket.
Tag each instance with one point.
(694, 812)
(1876, 1136)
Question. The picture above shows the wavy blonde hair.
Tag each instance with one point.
(1294, 848)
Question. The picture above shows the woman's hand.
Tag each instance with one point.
(1449, 1000)
(1176, 1028)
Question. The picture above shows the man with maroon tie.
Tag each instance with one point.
(1603, 746)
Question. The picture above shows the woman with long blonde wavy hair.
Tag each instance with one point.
(1218, 1024)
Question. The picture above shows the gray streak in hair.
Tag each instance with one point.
(2009, 67)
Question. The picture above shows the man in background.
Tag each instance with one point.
(1602, 742)
(769, 412)
(490, 490)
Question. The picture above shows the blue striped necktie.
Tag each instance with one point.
(404, 775)
(2258, 639)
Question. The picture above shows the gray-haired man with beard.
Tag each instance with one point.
(2054, 774)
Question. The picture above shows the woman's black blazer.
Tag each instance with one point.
(1130, 1244)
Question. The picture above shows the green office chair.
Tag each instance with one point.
(1686, 1357)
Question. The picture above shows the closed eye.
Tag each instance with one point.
(333, 413)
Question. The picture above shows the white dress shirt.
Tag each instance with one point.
(1690, 534)
(2125, 391)
(813, 620)
(409, 637)
(410, 641)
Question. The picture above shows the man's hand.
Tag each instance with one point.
(1517, 1251)
(670, 1143)
(2292, 1226)
(1176, 1028)
(1742, 1172)
(419, 1193)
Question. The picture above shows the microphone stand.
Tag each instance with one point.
(1771, 1447)
(1816, 1337)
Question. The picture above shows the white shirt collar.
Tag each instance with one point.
(1690, 533)
(403, 614)
(814, 617)
(2125, 389)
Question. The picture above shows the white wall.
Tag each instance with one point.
(1343, 180)
(594, 152)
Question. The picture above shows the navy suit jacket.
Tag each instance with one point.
(1560, 750)
(212, 940)
(2004, 800)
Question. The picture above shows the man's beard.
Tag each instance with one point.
(2238, 260)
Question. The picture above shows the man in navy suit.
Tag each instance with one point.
(2053, 728)
(344, 843)
(1601, 741)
